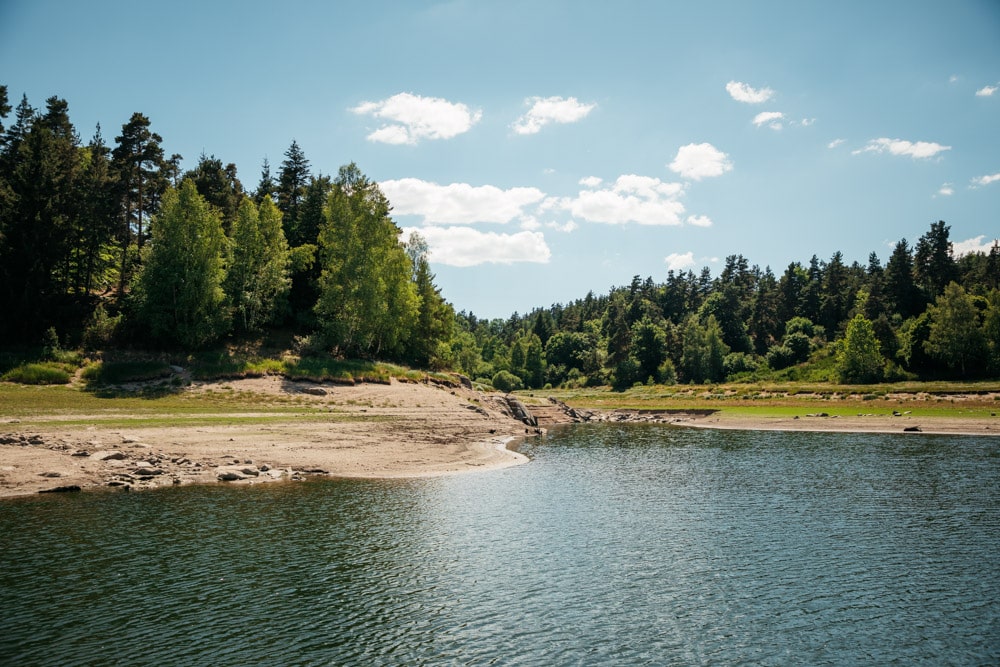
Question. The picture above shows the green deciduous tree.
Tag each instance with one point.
(435, 317)
(859, 359)
(179, 294)
(368, 304)
(257, 280)
(956, 336)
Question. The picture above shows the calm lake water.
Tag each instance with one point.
(614, 546)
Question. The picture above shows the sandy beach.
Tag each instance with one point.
(363, 431)
(368, 430)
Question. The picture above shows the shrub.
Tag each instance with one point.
(506, 381)
(100, 329)
(39, 373)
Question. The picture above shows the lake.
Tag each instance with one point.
(615, 545)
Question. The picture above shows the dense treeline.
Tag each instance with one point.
(113, 245)
(117, 246)
(924, 314)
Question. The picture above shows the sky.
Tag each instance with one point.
(547, 148)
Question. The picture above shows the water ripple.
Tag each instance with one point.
(616, 545)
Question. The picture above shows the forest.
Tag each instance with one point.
(111, 246)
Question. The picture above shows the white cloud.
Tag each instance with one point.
(465, 246)
(679, 261)
(699, 220)
(591, 181)
(946, 190)
(835, 143)
(641, 199)
(917, 150)
(698, 161)
(545, 110)
(414, 118)
(973, 245)
(953, 78)
(566, 228)
(742, 92)
(772, 118)
(458, 203)
(986, 180)
(986, 91)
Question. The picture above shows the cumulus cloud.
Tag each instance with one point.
(742, 92)
(679, 261)
(986, 180)
(591, 181)
(698, 161)
(986, 91)
(916, 150)
(699, 220)
(458, 203)
(641, 199)
(835, 143)
(413, 118)
(772, 118)
(946, 190)
(973, 245)
(545, 110)
(465, 246)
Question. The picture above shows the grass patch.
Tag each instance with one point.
(45, 372)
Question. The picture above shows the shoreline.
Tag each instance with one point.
(368, 431)
(371, 431)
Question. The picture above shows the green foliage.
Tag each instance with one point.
(859, 359)
(368, 305)
(124, 372)
(956, 337)
(179, 292)
(100, 329)
(39, 373)
(257, 281)
(506, 382)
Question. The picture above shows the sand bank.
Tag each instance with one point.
(371, 430)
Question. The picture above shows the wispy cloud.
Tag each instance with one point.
(699, 220)
(835, 143)
(986, 180)
(545, 110)
(698, 161)
(946, 190)
(414, 118)
(771, 118)
(458, 203)
(986, 91)
(742, 92)
(679, 261)
(466, 246)
(919, 150)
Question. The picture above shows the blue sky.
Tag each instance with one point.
(548, 148)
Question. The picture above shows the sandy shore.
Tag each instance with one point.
(371, 430)
(367, 431)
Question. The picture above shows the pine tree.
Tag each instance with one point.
(933, 264)
(266, 187)
(292, 181)
(138, 162)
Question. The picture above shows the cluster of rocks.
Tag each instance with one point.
(146, 468)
